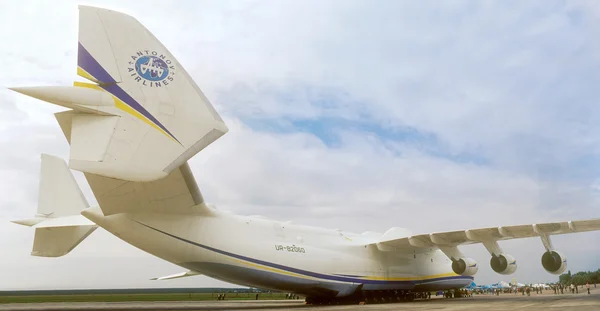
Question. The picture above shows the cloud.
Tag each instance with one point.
(437, 116)
(11, 114)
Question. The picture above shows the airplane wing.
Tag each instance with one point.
(176, 276)
(391, 241)
(553, 261)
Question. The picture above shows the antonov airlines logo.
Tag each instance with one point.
(151, 68)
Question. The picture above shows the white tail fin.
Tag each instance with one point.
(144, 116)
(59, 226)
(59, 194)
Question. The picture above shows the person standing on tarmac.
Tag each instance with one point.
(587, 285)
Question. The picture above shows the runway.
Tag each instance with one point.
(543, 302)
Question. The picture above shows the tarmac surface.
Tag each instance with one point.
(546, 302)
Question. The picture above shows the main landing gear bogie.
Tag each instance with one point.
(370, 297)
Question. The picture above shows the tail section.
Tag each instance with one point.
(59, 226)
(143, 116)
(176, 193)
(131, 128)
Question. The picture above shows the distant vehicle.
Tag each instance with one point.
(471, 286)
(501, 285)
(540, 285)
(132, 130)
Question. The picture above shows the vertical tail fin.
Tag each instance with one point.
(59, 194)
(59, 226)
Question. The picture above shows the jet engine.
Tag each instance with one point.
(464, 266)
(503, 264)
(554, 262)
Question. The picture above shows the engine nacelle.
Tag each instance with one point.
(503, 264)
(464, 266)
(554, 262)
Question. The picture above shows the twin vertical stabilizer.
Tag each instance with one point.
(59, 227)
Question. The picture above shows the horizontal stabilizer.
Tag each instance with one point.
(178, 192)
(58, 241)
(176, 276)
(28, 222)
(65, 221)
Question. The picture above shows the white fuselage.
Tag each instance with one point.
(263, 253)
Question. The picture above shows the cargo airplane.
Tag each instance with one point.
(131, 130)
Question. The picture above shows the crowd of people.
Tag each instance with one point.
(557, 288)
(573, 288)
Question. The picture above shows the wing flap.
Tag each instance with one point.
(553, 227)
(449, 238)
(423, 240)
(484, 234)
(520, 231)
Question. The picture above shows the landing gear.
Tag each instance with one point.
(369, 297)
(332, 301)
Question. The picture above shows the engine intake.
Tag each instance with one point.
(554, 262)
(464, 266)
(503, 264)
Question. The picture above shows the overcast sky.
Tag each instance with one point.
(358, 115)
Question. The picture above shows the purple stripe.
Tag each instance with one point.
(338, 277)
(126, 98)
(88, 63)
